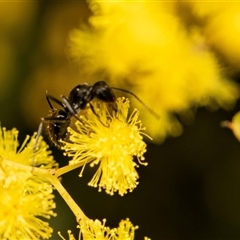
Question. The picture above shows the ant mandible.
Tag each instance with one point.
(78, 98)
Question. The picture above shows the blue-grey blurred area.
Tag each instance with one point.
(191, 187)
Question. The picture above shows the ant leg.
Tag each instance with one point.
(94, 112)
(49, 97)
(59, 120)
(115, 112)
(113, 106)
(69, 107)
(48, 100)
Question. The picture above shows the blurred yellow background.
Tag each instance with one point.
(190, 189)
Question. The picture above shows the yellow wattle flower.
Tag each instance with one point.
(10, 149)
(70, 235)
(168, 62)
(111, 140)
(26, 199)
(96, 230)
(93, 230)
(221, 29)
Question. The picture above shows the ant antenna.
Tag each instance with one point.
(49, 103)
(144, 104)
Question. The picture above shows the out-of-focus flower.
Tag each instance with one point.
(25, 198)
(169, 66)
(234, 125)
(221, 26)
(111, 140)
(97, 230)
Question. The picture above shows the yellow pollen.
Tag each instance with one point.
(114, 141)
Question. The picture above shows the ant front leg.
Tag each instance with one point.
(94, 112)
(113, 106)
(69, 107)
(112, 111)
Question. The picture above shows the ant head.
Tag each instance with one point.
(102, 91)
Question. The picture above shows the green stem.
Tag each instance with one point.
(77, 211)
(68, 168)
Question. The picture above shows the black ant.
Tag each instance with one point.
(78, 98)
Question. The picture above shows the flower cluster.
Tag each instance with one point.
(164, 54)
(111, 139)
(96, 230)
(25, 198)
(108, 136)
(9, 149)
